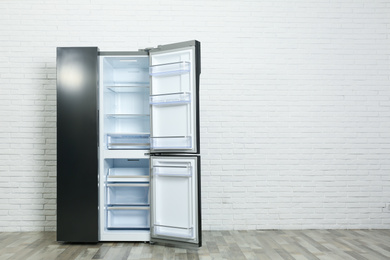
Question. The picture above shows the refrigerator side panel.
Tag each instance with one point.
(77, 144)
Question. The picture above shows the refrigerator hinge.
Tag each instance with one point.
(147, 49)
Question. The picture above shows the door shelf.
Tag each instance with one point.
(122, 194)
(170, 231)
(170, 99)
(171, 142)
(170, 69)
(172, 171)
(129, 88)
(128, 141)
(128, 218)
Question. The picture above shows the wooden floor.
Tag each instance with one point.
(306, 244)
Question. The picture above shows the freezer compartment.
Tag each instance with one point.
(171, 99)
(128, 141)
(128, 218)
(122, 194)
(171, 142)
(168, 69)
(127, 170)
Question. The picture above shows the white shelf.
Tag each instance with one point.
(128, 141)
(170, 99)
(170, 69)
(127, 115)
(124, 88)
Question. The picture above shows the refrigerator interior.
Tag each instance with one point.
(124, 189)
(172, 101)
(126, 102)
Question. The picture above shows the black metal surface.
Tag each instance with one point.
(77, 144)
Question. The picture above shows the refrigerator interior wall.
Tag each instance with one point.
(172, 100)
(174, 199)
(126, 102)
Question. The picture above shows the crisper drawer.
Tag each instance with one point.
(127, 193)
(128, 141)
(128, 218)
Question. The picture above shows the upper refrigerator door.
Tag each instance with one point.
(174, 98)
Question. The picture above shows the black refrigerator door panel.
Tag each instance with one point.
(77, 144)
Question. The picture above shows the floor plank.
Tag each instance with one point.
(256, 244)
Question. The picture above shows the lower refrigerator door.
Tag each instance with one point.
(175, 205)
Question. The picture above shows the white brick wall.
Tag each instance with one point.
(295, 104)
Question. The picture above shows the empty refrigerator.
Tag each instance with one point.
(148, 145)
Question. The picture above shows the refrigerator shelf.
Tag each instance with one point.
(171, 99)
(128, 141)
(136, 87)
(127, 194)
(126, 115)
(170, 69)
(172, 142)
(128, 178)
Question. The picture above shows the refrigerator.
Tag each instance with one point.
(128, 145)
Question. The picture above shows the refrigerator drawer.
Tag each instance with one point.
(128, 141)
(127, 193)
(128, 218)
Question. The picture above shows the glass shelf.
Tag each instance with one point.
(126, 115)
(171, 142)
(171, 99)
(128, 141)
(124, 88)
(170, 69)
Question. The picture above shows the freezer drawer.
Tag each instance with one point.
(128, 218)
(127, 194)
